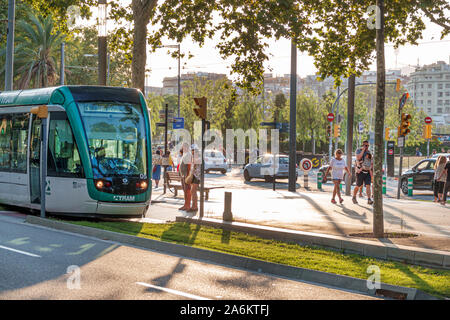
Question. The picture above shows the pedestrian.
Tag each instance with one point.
(439, 178)
(418, 153)
(447, 182)
(196, 176)
(185, 166)
(434, 151)
(156, 174)
(362, 168)
(337, 167)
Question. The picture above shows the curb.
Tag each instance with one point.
(385, 251)
(294, 273)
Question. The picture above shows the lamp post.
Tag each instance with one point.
(9, 74)
(108, 63)
(102, 46)
(176, 46)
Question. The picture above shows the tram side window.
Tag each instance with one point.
(19, 141)
(5, 142)
(63, 157)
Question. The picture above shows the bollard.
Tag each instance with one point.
(384, 185)
(410, 187)
(319, 180)
(227, 214)
(305, 179)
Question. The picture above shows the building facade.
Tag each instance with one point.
(429, 89)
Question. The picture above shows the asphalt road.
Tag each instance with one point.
(40, 263)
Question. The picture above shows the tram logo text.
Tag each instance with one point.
(124, 198)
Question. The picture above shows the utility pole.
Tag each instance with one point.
(350, 117)
(337, 119)
(61, 77)
(179, 81)
(9, 67)
(102, 45)
(292, 120)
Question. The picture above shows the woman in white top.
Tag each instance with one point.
(337, 165)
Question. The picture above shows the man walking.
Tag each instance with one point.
(363, 165)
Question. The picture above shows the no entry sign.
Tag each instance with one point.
(330, 117)
(306, 164)
(391, 152)
(428, 120)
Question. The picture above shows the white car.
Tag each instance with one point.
(215, 161)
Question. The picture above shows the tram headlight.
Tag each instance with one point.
(143, 185)
(99, 184)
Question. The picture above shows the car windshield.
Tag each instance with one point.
(116, 138)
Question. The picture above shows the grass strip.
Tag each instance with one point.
(433, 281)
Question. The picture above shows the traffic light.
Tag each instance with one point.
(201, 110)
(404, 126)
(397, 87)
(427, 131)
(337, 130)
(328, 131)
(386, 134)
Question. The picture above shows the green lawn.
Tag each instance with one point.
(433, 281)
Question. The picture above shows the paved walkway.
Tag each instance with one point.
(312, 211)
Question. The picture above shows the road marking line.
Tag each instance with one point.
(176, 292)
(22, 252)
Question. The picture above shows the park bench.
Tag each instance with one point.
(173, 183)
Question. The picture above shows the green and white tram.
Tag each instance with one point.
(99, 150)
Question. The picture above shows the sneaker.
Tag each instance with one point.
(370, 201)
(354, 200)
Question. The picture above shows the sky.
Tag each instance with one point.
(207, 59)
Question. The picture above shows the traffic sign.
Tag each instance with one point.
(178, 123)
(360, 127)
(330, 117)
(401, 141)
(306, 165)
(428, 120)
(391, 152)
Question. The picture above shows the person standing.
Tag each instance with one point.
(337, 167)
(439, 178)
(447, 182)
(156, 174)
(185, 166)
(418, 153)
(362, 169)
(196, 173)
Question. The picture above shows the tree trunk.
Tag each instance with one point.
(139, 53)
(378, 226)
(141, 16)
(350, 117)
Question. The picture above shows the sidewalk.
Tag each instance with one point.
(312, 211)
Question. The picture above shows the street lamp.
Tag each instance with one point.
(177, 46)
(102, 32)
(9, 75)
(108, 63)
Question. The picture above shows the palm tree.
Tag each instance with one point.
(38, 45)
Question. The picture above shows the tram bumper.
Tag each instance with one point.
(121, 209)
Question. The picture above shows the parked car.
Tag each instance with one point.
(263, 168)
(215, 161)
(422, 174)
(435, 156)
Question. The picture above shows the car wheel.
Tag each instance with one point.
(404, 186)
(247, 176)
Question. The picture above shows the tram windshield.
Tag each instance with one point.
(116, 138)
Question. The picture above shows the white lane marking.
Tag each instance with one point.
(22, 252)
(176, 292)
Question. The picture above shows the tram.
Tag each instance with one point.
(98, 156)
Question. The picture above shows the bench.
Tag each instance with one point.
(173, 181)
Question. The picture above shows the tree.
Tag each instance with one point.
(38, 45)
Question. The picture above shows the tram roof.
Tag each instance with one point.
(77, 93)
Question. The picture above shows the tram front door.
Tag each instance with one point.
(35, 160)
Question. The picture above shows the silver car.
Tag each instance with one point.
(215, 161)
(264, 169)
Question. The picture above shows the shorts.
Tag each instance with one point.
(195, 180)
(439, 186)
(363, 178)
